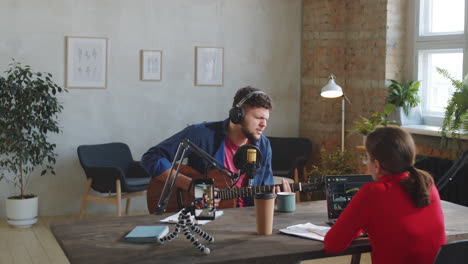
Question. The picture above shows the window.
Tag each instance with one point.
(441, 17)
(440, 41)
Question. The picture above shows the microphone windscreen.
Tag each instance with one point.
(241, 156)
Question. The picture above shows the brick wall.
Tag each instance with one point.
(396, 39)
(348, 39)
(363, 43)
(430, 146)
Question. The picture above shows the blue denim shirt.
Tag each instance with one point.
(209, 136)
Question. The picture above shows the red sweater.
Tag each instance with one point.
(398, 231)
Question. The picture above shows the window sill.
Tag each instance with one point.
(428, 131)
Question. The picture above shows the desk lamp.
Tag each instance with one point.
(333, 90)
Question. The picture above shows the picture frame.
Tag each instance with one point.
(209, 66)
(150, 65)
(86, 62)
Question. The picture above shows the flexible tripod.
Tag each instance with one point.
(186, 225)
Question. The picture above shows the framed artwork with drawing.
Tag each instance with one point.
(86, 62)
(150, 65)
(209, 66)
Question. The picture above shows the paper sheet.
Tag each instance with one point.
(174, 219)
(307, 230)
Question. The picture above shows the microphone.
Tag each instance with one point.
(251, 162)
(247, 160)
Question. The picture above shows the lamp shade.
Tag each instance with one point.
(331, 90)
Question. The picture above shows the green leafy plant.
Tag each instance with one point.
(334, 163)
(28, 112)
(367, 125)
(331, 163)
(456, 112)
(404, 95)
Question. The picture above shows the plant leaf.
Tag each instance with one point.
(388, 109)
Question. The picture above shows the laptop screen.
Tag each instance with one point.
(339, 190)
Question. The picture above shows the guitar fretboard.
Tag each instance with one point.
(227, 194)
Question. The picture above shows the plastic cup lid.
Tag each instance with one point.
(265, 196)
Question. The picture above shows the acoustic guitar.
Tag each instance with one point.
(228, 196)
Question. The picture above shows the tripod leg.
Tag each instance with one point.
(199, 231)
(202, 233)
(185, 225)
(180, 225)
(188, 225)
(171, 236)
(195, 241)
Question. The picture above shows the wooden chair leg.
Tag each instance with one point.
(85, 196)
(304, 178)
(127, 205)
(356, 258)
(296, 180)
(118, 197)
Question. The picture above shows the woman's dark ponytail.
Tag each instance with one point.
(418, 186)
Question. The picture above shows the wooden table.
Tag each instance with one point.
(100, 240)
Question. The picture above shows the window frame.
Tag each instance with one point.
(453, 35)
(432, 118)
(434, 42)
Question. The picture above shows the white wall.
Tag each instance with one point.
(261, 40)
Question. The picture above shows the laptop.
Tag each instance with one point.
(339, 189)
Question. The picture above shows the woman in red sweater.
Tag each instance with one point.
(400, 211)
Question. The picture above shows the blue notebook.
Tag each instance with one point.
(146, 234)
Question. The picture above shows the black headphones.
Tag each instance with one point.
(236, 113)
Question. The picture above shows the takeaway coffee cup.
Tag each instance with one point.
(286, 202)
(264, 208)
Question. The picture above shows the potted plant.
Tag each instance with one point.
(367, 125)
(332, 163)
(28, 112)
(456, 113)
(404, 95)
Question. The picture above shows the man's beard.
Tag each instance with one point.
(250, 136)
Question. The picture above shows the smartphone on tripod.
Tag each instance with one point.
(204, 199)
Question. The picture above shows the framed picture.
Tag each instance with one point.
(150, 65)
(209, 66)
(86, 62)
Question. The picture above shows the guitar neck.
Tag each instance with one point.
(227, 194)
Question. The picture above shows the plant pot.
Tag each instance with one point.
(414, 116)
(21, 213)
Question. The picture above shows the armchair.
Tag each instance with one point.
(110, 168)
(453, 252)
(289, 157)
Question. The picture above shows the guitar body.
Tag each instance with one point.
(155, 188)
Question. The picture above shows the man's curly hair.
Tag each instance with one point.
(256, 100)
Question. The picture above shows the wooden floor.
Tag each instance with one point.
(38, 245)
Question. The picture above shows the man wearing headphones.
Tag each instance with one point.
(247, 120)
